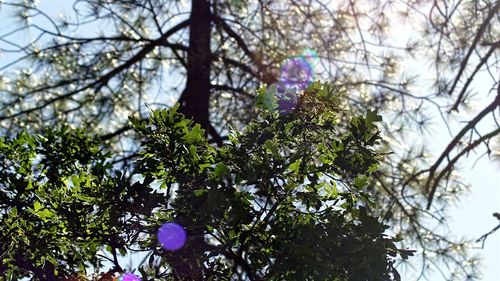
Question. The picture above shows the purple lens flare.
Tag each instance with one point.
(298, 71)
(127, 277)
(296, 74)
(172, 236)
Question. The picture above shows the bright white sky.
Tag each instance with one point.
(470, 218)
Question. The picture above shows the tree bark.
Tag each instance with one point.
(194, 103)
(195, 97)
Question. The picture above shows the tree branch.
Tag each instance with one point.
(471, 77)
(452, 144)
(242, 44)
(463, 64)
(105, 78)
(484, 236)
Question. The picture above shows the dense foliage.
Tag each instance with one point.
(284, 199)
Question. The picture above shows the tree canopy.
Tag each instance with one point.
(285, 199)
(103, 61)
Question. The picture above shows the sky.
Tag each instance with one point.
(470, 218)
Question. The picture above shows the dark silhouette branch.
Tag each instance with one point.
(105, 78)
(485, 236)
(452, 162)
(471, 77)
(116, 133)
(431, 183)
(465, 60)
(242, 44)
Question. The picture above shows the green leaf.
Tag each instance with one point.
(233, 135)
(331, 189)
(183, 123)
(9, 275)
(266, 99)
(294, 167)
(76, 180)
(271, 147)
(45, 215)
(13, 212)
(204, 166)
(373, 167)
(30, 185)
(25, 239)
(195, 135)
(122, 251)
(52, 260)
(360, 181)
(37, 205)
(200, 192)
(372, 117)
(136, 123)
(220, 170)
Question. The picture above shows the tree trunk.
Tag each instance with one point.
(194, 103)
(195, 97)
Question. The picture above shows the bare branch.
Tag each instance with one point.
(477, 38)
(431, 184)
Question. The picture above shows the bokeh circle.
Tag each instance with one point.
(127, 277)
(298, 71)
(172, 236)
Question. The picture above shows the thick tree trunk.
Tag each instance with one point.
(195, 97)
(186, 262)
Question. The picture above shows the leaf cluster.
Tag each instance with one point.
(284, 199)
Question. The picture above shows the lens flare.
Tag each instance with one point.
(172, 236)
(287, 100)
(310, 55)
(127, 277)
(298, 71)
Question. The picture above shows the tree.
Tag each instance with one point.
(284, 199)
(95, 79)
